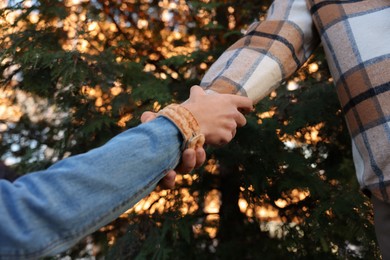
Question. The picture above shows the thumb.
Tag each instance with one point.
(148, 116)
(197, 91)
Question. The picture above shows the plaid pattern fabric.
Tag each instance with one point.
(269, 52)
(356, 38)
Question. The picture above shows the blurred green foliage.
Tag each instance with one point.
(333, 222)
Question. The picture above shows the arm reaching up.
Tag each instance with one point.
(269, 52)
(44, 213)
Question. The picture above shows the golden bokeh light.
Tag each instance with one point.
(211, 224)
(88, 36)
(9, 111)
(313, 67)
(212, 202)
(212, 166)
(267, 114)
(308, 135)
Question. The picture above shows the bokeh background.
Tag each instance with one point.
(75, 73)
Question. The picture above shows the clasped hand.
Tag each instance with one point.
(218, 116)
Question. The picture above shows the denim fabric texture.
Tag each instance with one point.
(46, 212)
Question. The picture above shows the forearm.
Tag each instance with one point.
(269, 52)
(45, 212)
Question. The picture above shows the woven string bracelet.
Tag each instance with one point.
(186, 123)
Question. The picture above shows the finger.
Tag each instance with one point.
(200, 157)
(226, 137)
(168, 182)
(246, 110)
(188, 161)
(148, 116)
(234, 132)
(240, 119)
(243, 103)
(196, 91)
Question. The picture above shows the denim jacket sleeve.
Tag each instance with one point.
(44, 213)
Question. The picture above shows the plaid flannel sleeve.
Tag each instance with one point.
(267, 54)
(356, 40)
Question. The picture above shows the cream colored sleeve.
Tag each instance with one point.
(267, 54)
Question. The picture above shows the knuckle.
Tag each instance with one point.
(225, 139)
(232, 125)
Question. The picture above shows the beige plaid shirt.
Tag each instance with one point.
(356, 38)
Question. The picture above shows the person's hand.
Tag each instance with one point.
(218, 115)
(190, 159)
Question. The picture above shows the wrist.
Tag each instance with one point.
(187, 124)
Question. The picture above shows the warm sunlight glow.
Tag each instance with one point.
(124, 119)
(258, 209)
(211, 225)
(242, 204)
(212, 166)
(307, 135)
(156, 106)
(212, 202)
(266, 212)
(8, 111)
(163, 43)
(313, 67)
(116, 90)
(292, 85)
(267, 114)
(281, 203)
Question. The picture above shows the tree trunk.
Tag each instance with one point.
(231, 219)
